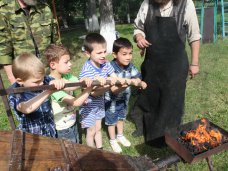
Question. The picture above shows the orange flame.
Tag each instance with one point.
(202, 135)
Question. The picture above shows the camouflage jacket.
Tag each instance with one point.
(14, 32)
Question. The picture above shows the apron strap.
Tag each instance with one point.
(31, 34)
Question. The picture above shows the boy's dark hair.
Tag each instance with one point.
(121, 43)
(92, 38)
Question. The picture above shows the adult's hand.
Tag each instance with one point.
(193, 70)
(142, 43)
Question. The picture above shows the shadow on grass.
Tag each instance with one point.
(145, 148)
(153, 152)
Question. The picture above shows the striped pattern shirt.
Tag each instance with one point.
(90, 71)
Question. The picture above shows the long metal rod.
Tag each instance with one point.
(7, 107)
(36, 88)
(210, 163)
(168, 161)
(48, 87)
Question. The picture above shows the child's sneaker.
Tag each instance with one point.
(124, 141)
(115, 146)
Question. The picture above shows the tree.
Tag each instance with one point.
(64, 13)
(91, 21)
(126, 10)
(107, 24)
(68, 10)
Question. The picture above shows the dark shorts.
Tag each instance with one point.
(115, 111)
(69, 134)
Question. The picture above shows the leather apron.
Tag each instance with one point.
(165, 70)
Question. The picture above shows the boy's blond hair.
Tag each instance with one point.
(55, 52)
(26, 66)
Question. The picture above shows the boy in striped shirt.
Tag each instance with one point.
(96, 67)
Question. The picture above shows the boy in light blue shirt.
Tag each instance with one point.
(116, 100)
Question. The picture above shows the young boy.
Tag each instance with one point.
(116, 100)
(96, 67)
(64, 102)
(33, 109)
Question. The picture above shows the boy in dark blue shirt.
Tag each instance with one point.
(33, 109)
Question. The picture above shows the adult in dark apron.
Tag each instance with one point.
(165, 70)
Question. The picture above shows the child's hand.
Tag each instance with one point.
(113, 80)
(143, 84)
(87, 81)
(59, 83)
(122, 81)
(128, 81)
(125, 82)
(89, 89)
(101, 80)
(135, 81)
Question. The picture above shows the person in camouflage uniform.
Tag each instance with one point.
(17, 18)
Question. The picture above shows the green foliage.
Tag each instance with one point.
(206, 96)
(72, 10)
(75, 10)
(124, 7)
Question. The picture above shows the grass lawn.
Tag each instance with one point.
(206, 96)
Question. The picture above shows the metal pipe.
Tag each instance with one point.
(168, 161)
(7, 106)
(210, 163)
(48, 87)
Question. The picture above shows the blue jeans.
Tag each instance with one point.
(115, 111)
(69, 133)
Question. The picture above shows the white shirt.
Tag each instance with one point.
(190, 19)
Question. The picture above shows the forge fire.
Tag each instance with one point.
(201, 139)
